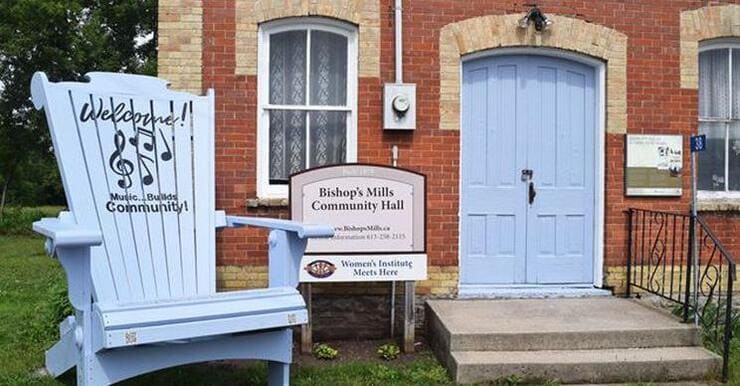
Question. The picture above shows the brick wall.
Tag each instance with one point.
(656, 102)
(180, 40)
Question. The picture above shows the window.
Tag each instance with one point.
(307, 88)
(719, 118)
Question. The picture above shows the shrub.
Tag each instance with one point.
(324, 351)
(389, 351)
(59, 305)
(16, 221)
(49, 313)
(712, 321)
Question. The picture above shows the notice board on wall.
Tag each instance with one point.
(654, 165)
(379, 219)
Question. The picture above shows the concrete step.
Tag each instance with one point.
(575, 340)
(555, 324)
(678, 383)
(662, 364)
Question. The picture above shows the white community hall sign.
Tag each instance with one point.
(378, 215)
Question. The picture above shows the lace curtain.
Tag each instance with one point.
(719, 110)
(305, 137)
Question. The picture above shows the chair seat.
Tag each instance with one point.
(163, 320)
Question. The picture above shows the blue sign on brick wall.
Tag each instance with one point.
(698, 142)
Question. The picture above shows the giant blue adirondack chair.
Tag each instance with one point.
(138, 242)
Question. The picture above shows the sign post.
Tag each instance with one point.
(307, 329)
(698, 143)
(409, 316)
(394, 162)
(379, 218)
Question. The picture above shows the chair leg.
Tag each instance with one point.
(89, 366)
(278, 373)
(90, 372)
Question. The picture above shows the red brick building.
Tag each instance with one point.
(300, 83)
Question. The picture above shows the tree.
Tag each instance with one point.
(65, 39)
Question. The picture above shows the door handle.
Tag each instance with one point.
(532, 192)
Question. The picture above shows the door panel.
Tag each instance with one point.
(527, 112)
(562, 158)
(494, 152)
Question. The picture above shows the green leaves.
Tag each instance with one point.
(65, 39)
(389, 351)
(324, 351)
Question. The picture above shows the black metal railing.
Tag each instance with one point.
(659, 250)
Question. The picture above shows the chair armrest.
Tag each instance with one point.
(302, 230)
(66, 234)
(71, 243)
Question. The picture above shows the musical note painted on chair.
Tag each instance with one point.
(120, 165)
(147, 178)
(166, 155)
(150, 145)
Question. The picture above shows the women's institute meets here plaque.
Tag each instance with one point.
(378, 215)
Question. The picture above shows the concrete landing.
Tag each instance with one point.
(583, 340)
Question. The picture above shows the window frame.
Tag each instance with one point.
(710, 45)
(264, 188)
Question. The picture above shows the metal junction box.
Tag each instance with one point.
(399, 106)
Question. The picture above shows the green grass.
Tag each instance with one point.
(32, 290)
(734, 374)
(424, 371)
(28, 283)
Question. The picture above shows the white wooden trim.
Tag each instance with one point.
(264, 188)
(600, 177)
(728, 44)
(599, 140)
(717, 195)
(720, 43)
(730, 55)
(719, 120)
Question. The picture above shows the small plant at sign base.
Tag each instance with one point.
(389, 351)
(324, 351)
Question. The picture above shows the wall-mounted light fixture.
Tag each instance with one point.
(541, 22)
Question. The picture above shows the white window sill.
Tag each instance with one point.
(273, 202)
(718, 201)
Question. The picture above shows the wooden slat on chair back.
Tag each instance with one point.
(136, 161)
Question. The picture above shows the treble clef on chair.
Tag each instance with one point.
(120, 165)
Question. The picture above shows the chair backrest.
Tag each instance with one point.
(136, 161)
